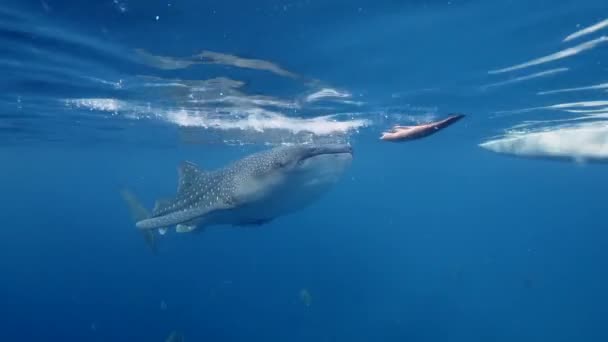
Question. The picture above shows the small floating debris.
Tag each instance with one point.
(305, 297)
(175, 337)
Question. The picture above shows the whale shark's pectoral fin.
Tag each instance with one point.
(183, 228)
(195, 226)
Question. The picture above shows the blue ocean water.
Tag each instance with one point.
(491, 230)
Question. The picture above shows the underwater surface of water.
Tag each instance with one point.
(488, 231)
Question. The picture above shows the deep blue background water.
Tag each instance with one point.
(433, 240)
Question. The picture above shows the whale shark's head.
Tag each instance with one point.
(308, 159)
(302, 171)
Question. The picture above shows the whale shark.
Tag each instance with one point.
(251, 191)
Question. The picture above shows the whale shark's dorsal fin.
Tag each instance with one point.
(188, 172)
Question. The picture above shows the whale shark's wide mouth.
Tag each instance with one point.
(327, 150)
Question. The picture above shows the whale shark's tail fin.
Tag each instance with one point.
(139, 212)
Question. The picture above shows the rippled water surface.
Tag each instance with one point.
(442, 239)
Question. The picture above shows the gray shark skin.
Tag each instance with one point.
(250, 191)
